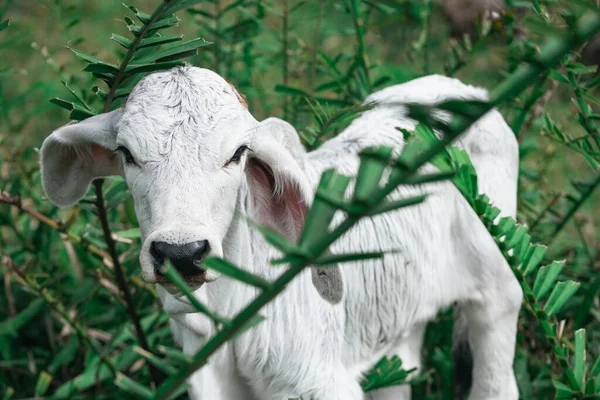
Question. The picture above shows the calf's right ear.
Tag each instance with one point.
(76, 154)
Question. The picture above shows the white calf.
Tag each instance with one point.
(192, 155)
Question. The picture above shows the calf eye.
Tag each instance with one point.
(237, 156)
(127, 154)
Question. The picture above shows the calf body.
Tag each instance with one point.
(437, 253)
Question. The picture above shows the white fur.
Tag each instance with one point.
(183, 125)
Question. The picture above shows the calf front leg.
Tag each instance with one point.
(408, 350)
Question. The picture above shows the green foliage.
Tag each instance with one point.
(77, 321)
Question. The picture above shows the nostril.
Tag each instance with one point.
(186, 258)
(199, 249)
(158, 257)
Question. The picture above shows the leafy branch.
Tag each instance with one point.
(142, 56)
(524, 259)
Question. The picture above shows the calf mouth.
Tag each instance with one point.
(194, 280)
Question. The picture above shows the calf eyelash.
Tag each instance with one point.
(237, 156)
(126, 154)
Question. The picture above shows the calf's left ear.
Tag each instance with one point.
(77, 153)
(281, 192)
(279, 188)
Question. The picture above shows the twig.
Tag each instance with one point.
(120, 275)
(12, 310)
(7, 198)
(573, 209)
(108, 238)
(545, 210)
(119, 77)
(539, 107)
(588, 124)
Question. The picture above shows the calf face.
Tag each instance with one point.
(191, 154)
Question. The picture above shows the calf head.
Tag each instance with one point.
(188, 149)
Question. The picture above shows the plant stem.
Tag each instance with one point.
(120, 275)
(119, 77)
(588, 124)
(546, 209)
(6, 198)
(573, 209)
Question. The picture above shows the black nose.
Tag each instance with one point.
(186, 258)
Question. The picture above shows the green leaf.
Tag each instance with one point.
(123, 41)
(175, 356)
(174, 52)
(595, 371)
(230, 270)
(159, 66)
(558, 76)
(373, 162)
(168, 21)
(516, 237)
(142, 16)
(431, 177)
(532, 259)
(133, 388)
(579, 369)
(65, 355)
(159, 363)
(78, 98)
(77, 112)
(4, 24)
(562, 292)
(87, 57)
(92, 375)
(172, 274)
(252, 322)
(277, 240)
(329, 258)
(387, 372)
(12, 325)
(288, 90)
(321, 212)
(127, 85)
(102, 68)
(563, 391)
(133, 233)
(180, 5)
(159, 40)
(395, 204)
(42, 384)
(580, 69)
(545, 278)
